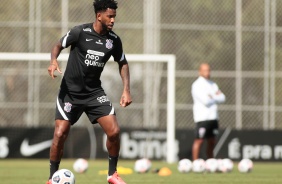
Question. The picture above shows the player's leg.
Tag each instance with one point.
(66, 112)
(211, 133)
(196, 148)
(200, 132)
(60, 135)
(100, 110)
(110, 126)
(111, 129)
(210, 146)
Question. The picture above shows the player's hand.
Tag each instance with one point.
(125, 99)
(218, 92)
(51, 69)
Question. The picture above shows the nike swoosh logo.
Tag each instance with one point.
(29, 150)
(88, 40)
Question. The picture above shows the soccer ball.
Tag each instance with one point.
(184, 165)
(211, 165)
(142, 165)
(245, 165)
(224, 165)
(63, 176)
(228, 164)
(80, 165)
(220, 166)
(198, 165)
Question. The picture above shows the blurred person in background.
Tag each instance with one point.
(92, 45)
(206, 97)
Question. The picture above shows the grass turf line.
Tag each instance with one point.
(34, 171)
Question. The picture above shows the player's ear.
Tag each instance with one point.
(99, 16)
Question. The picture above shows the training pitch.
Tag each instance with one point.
(32, 171)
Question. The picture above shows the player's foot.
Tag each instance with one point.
(115, 179)
(49, 182)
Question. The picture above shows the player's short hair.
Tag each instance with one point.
(103, 5)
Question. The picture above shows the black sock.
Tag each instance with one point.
(112, 165)
(54, 166)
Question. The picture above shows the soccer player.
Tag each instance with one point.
(206, 96)
(92, 44)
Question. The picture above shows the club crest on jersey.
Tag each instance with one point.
(67, 107)
(109, 43)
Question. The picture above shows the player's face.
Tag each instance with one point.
(107, 19)
(205, 71)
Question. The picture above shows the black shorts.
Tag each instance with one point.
(71, 108)
(206, 129)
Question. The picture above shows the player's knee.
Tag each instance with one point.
(60, 134)
(61, 129)
(198, 141)
(114, 134)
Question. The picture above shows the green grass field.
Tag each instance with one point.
(31, 171)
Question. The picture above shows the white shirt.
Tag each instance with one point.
(205, 97)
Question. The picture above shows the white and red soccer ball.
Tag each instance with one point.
(142, 165)
(219, 165)
(228, 164)
(224, 165)
(199, 165)
(245, 165)
(80, 165)
(63, 176)
(211, 165)
(184, 165)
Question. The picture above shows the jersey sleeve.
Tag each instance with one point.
(118, 54)
(71, 37)
(219, 97)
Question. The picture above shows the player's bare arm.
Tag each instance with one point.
(125, 99)
(56, 50)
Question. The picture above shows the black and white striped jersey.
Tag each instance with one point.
(89, 53)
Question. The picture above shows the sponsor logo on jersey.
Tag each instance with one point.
(112, 34)
(99, 42)
(97, 53)
(92, 57)
(87, 29)
(103, 99)
(109, 43)
(67, 107)
(88, 39)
